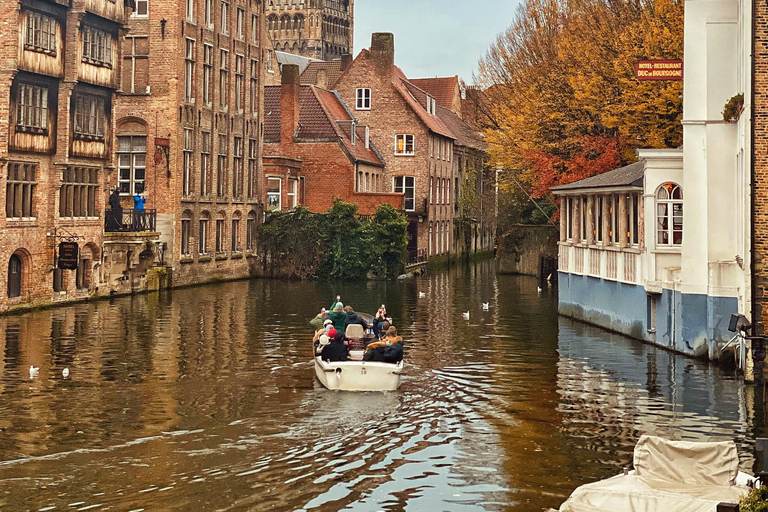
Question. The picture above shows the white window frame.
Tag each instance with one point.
(405, 137)
(190, 7)
(363, 98)
(669, 216)
(293, 192)
(400, 186)
(135, 13)
(279, 205)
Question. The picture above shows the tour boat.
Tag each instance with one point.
(356, 374)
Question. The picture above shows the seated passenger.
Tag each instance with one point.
(388, 350)
(327, 325)
(335, 350)
(381, 317)
(338, 316)
(317, 322)
(354, 318)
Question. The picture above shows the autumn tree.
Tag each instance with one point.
(560, 99)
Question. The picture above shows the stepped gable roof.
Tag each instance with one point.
(628, 176)
(463, 133)
(322, 116)
(417, 99)
(332, 70)
(443, 89)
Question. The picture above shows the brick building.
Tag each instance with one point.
(188, 122)
(316, 151)
(759, 101)
(416, 145)
(59, 68)
(320, 29)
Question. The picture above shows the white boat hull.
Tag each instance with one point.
(358, 375)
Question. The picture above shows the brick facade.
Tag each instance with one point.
(55, 165)
(198, 83)
(399, 108)
(760, 168)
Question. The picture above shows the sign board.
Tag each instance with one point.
(68, 255)
(659, 70)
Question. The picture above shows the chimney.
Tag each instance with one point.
(289, 103)
(346, 60)
(322, 79)
(383, 50)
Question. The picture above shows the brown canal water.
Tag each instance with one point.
(205, 399)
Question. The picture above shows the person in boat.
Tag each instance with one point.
(318, 341)
(388, 350)
(319, 321)
(354, 318)
(338, 316)
(335, 350)
(381, 317)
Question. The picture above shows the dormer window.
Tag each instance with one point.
(431, 105)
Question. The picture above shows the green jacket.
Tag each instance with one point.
(339, 319)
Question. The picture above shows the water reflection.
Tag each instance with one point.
(205, 399)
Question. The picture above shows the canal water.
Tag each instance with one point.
(205, 399)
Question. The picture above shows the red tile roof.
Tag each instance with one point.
(417, 99)
(332, 71)
(443, 89)
(465, 135)
(322, 116)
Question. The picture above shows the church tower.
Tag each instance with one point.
(319, 29)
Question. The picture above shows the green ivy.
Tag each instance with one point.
(755, 501)
(335, 244)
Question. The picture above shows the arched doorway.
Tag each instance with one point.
(14, 276)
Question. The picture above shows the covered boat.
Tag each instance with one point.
(356, 374)
(669, 476)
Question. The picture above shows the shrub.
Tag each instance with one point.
(755, 501)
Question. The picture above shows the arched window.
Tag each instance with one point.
(272, 21)
(14, 276)
(429, 253)
(669, 215)
(285, 22)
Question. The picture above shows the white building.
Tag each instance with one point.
(660, 250)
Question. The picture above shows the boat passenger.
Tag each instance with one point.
(381, 317)
(327, 325)
(338, 316)
(388, 350)
(317, 322)
(354, 318)
(335, 350)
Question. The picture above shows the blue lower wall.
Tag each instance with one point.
(693, 324)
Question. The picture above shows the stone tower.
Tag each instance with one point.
(319, 29)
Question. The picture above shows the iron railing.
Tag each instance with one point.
(417, 256)
(129, 220)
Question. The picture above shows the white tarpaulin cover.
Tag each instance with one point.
(669, 476)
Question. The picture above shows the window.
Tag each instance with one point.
(669, 215)
(187, 163)
(363, 99)
(568, 218)
(207, 71)
(254, 86)
(614, 214)
(190, 10)
(189, 72)
(202, 237)
(255, 29)
(253, 152)
(447, 191)
(131, 164)
(429, 239)
(220, 235)
(652, 308)
(236, 235)
(225, 18)
(431, 186)
(142, 8)
(237, 171)
(89, 117)
(292, 193)
(268, 63)
(41, 33)
(250, 232)
(221, 167)
(240, 23)
(223, 78)
(77, 195)
(431, 146)
(97, 47)
(186, 223)
(405, 185)
(135, 73)
(205, 162)
(274, 193)
(239, 82)
(598, 215)
(583, 219)
(32, 105)
(404, 144)
(208, 14)
(431, 105)
(14, 276)
(632, 219)
(20, 190)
